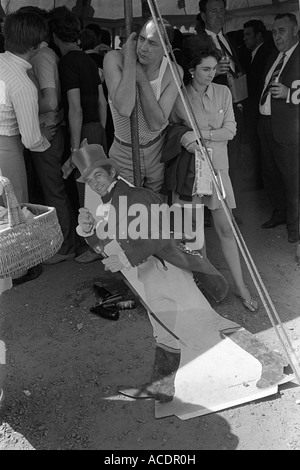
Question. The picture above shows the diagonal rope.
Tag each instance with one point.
(261, 289)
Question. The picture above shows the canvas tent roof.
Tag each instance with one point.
(110, 13)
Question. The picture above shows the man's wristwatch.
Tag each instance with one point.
(210, 135)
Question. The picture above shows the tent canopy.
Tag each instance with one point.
(110, 13)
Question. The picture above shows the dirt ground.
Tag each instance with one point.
(64, 361)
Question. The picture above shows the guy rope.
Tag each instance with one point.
(261, 289)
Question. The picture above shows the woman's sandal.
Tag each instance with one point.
(251, 305)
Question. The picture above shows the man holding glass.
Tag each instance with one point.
(279, 127)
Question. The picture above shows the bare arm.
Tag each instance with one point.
(157, 112)
(48, 100)
(120, 76)
(102, 104)
(75, 117)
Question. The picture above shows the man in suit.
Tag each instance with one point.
(254, 38)
(279, 127)
(213, 13)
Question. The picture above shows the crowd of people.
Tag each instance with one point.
(66, 84)
(66, 100)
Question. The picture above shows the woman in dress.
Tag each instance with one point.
(212, 108)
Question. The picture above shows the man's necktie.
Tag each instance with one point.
(275, 74)
(107, 197)
(226, 52)
(223, 47)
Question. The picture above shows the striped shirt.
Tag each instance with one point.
(19, 103)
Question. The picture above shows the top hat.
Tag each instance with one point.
(89, 157)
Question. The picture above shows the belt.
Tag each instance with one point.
(265, 116)
(143, 146)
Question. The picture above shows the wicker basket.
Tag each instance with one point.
(26, 243)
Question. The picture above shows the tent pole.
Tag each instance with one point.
(134, 117)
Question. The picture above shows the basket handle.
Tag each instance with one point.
(15, 214)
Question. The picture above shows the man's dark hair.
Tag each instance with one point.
(66, 26)
(290, 16)
(257, 26)
(105, 37)
(203, 5)
(24, 30)
(200, 24)
(87, 39)
(178, 39)
(39, 11)
(96, 29)
(58, 11)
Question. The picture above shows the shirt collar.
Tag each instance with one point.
(18, 60)
(256, 49)
(208, 92)
(112, 185)
(214, 35)
(291, 50)
(210, 33)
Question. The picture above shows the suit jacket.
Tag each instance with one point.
(167, 249)
(255, 71)
(179, 163)
(222, 79)
(239, 69)
(285, 116)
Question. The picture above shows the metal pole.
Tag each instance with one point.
(134, 116)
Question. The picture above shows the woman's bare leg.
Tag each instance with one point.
(230, 251)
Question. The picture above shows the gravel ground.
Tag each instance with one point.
(64, 362)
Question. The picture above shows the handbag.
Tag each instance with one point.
(238, 87)
(26, 243)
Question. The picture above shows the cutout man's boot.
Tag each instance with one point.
(271, 361)
(162, 384)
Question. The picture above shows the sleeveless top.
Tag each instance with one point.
(122, 124)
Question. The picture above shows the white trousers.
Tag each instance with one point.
(176, 300)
